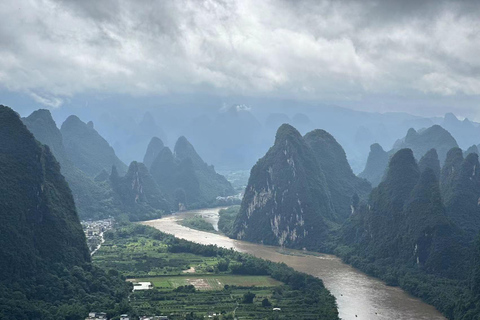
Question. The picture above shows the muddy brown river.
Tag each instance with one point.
(359, 296)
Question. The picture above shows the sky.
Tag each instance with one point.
(420, 57)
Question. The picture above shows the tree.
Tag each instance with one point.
(266, 303)
(248, 297)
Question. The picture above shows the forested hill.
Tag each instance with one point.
(90, 152)
(419, 228)
(44, 259)
(420, 142)
(184, 178)
(298, 192)
(91, 199)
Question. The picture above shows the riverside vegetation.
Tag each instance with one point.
(218, 281)
(417, 229)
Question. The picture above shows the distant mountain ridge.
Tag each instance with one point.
(419, 142)
(185, 179)
(89, 151)
(96, 196)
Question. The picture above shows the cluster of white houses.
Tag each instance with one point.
(103, 316)
(94, 232)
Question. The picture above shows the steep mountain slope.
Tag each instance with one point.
(139, 195)
(471, 149)
(430, 160)
(44, 260)
(434, 137)
(377, 162)
(341, 181)
(185, 179)
(36, 222)
(405, 223)
(461, 191)
(422, 141)
(211, 183)
(287, 201)
(91, 199)
(87, 149)
(154, 147)
(465, 132)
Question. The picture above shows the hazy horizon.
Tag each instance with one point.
(375, 56)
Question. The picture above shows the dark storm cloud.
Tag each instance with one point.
(321, 50)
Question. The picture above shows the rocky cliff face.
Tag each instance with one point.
(138, 194)
(287, 201)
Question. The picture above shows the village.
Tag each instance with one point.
(103, 316)
(94, 231)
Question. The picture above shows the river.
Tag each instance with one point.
(359, 296)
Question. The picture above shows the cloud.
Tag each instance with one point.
(322, 50)
(53, 102)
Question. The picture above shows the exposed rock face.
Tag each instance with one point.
(287, 201)
(87, 149)
(376, 165)
(154, 147)
(139, 195)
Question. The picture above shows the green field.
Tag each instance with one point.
(194, 282)
(211, 282)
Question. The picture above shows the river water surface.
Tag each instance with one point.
(359, 296)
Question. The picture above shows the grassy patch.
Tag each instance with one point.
(198, 223)
(213, 282)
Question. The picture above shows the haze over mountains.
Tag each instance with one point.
(240, 134)
(102, 185)
(420, 219)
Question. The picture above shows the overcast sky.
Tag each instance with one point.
(421, 57)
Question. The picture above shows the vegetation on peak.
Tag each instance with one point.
(377, 163)
(154, 147)
(87, 149)
(45, 265)
(185, 179)
(287, 201)
(138, 194)
(342, 182)
(430, 160)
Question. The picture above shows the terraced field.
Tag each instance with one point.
(211, 282)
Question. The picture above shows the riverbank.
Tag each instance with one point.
(358, 295)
